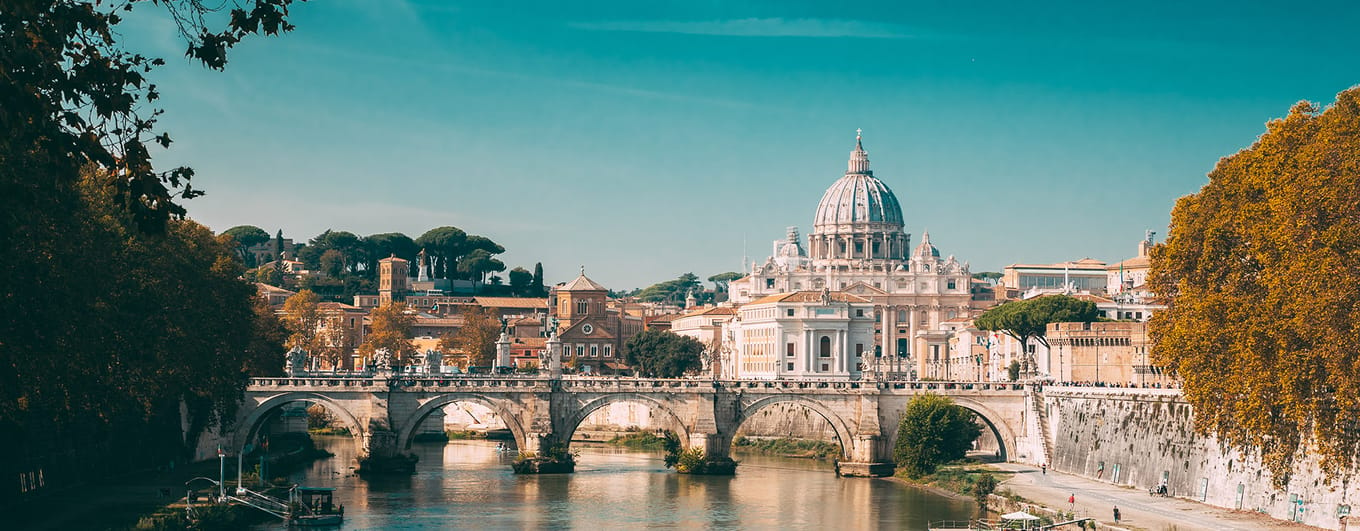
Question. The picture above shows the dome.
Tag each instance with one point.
(925, 249)
(858, 197)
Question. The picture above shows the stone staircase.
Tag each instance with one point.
(1035, 397)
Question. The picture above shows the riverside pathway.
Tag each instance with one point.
(1139, 511)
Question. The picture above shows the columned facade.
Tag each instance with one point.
(859, 245)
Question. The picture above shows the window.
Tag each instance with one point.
(582, 306)
(859, 349)
(824, 349)
(788, 366)
(952, 285)
(769, 283)
(580, 351)
(901, 316)
(607, 352)
(825, 367)
(859, 313)
(790, 310)
(788, 351)
(859, 248)
(594, 351)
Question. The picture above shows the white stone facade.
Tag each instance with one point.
(859, 245)
(801, 335)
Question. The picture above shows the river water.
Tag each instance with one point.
(467, 484)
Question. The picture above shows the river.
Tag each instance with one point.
(467, 484)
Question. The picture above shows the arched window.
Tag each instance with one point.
(825, 348)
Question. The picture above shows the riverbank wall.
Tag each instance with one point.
(1141, 438)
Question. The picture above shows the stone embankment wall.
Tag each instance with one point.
(1143, 437)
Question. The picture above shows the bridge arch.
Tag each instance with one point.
(595, 404)
(842, 429)
(1005, 436)
(254, 419)
(409, 425)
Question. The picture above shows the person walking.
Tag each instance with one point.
(1116, 514)
(1072, 502)
(1044, 468)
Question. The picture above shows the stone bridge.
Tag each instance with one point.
(384, 414)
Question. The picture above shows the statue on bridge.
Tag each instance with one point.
(432, 361)
(295, 362)
(382, 360)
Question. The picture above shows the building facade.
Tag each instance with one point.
(859, 245)
(592, 334)
(1105, 353)
(800, 335)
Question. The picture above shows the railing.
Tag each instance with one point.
(619, 382)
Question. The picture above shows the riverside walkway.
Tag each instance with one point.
(1139, 510)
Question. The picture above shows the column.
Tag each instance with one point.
(886, 340)
(911, 335)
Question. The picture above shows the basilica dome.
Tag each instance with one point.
(858, 197)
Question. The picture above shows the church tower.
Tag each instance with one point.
(578, 300)
(392, 280)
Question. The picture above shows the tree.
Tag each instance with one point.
(380, 246)
(351, 251)
(1029, 319)
(477, 337)
(933, 431)
(303, 319)
(663, 354)
(278, 245)
(1261, 274)
(444, 245)
(265, 353)
(982, 490)
(1013, 370)
(536, 287)
(391, 330)
(520, 279)
(476, 264)
(332, 263)
(670, 290)
(990, 276)
(721, 280)
(247, 236)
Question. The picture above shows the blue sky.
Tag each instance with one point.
(648, 139)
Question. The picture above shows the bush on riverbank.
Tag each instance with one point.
(788, 447)
(934, 431)
(645, 440)
(463, 435)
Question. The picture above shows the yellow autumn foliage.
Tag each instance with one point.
(1262, 275)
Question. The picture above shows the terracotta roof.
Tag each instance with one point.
(338, 306)
(511, 302)
(531, 342)
(1137, 262)
(714, 310)
(581, 283)
(665, 318)
(266, 288)
(527, 320)
(807, 296)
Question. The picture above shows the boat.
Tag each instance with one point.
(314, 507)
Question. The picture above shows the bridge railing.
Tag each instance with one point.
(618, 383)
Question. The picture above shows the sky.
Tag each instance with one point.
(643, 140)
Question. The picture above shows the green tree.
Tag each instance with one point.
(536, 287)
(390, 329)
(520, 280)
(477, 337)
(477, 263)
(352, 252)
(278, 245)
(663, 354)
(934, 431)
(265, 353)
(983, 487)
(670, 290)
(1262, 277)
(1029, 319)
(247, 236)
(444, 245)
(380, 246)
(990, 276)
(1013, 370)
(721, 280)
(332, 263)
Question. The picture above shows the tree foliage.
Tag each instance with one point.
(721, 280)
(1029, 319)
(663, 354)
(390, 329)
(536, 288)
(247, 236)
(520, 280)
(303, 319)
(670, 290)
(934, 431)
(477, 337)
(1262, 277)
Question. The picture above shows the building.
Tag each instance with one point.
(859, 245)
(705, 324)
(393, 280)
(592, 334)
(342, 330)
(273, 295)
(271, 250)
(1086, 275)
(1104, 353)
(1129, 277)
(800, 335)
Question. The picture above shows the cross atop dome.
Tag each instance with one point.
(859, 159)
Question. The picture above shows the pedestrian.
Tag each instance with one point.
(1072, 502)
(1044, 468)
(1116, 514)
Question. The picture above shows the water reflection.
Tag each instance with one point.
(468, 484)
